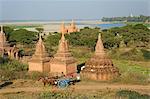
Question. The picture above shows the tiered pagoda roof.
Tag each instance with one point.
(40, 52)
(63, 54)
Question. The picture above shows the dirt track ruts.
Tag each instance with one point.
(77, 87)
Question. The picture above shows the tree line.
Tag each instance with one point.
(128, 36)
(140, 18)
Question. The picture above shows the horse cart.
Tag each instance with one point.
(62, 81)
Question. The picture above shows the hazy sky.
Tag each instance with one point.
(70, 9)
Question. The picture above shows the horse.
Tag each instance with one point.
(48, 80)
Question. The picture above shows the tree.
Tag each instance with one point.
(131, 35)
(22, 36)
(140, 18)
(39, 29)
(140, 26)
(52, 41)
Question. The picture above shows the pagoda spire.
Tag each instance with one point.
(1, 28)
(2, 38)
(72, 23)
(63, 28)
(63, 25)
(63, 44)
(40, 49)
(62, 37)
(99, 49)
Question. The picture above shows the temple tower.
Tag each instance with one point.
(63, 28)
(5, 49)
(72, 27)
(63, 61)
(39, 61)
(99, 66)
(2, 39)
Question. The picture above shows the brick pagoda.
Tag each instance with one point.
(100, 66)
(63, 61)
(39, 61)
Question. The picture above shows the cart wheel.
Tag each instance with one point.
(62, 84)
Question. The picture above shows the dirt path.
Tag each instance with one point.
(139, 88)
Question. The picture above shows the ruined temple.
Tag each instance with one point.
(39, 61)
(100, 66)
(69, 29)
(72, 27)
(5, 49)
(63, 61)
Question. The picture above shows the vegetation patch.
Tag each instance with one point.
(146, 54)
(69, 94)
(131, 73)
(128, 94)
(134, 54)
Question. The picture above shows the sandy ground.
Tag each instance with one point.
(144, 89)
(54, 26)
(53, 22)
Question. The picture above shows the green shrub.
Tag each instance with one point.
(23, 36)
(132, 78)
(146, 54)
(11, 75)
(14, 65)
(35, 75)
(131, 95)
(12, 69)
(3, 60)
(134, 54)
(65, 94)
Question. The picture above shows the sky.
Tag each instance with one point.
(71, 9)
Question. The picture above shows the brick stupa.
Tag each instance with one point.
(63, 61)
(99, 66)
(39, 61)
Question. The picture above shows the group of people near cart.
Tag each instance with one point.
(61, 81)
